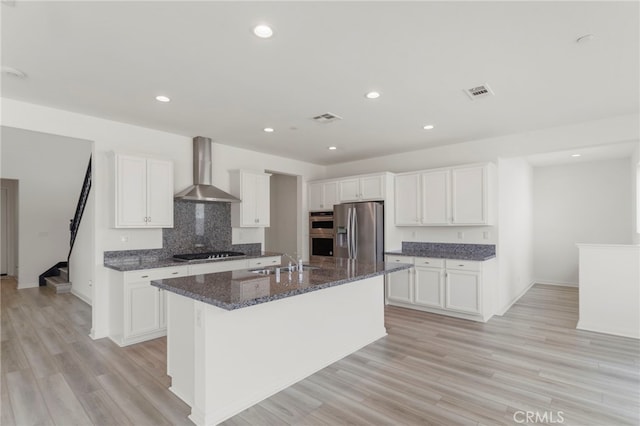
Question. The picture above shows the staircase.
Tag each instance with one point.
(60, 283)
(57, 277)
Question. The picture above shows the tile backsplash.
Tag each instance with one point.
(197, 227)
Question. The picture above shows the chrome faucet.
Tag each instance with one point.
(293, 266)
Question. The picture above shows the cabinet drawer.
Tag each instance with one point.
(429, 262)
(155, 274)
(219, 266)
(464, 265)
(264, 261)
(399, 259)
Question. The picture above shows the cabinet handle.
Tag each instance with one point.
(144, 218)
(258, 263)
(460, 265)
(145, 276)
(149, 219)
(321, 206)
(174, 273)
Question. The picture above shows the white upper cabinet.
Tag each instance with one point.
(323, 195)
(253, 189)
(362, 188)
(451, 196)
(469, 195)
(436, 198)
(143, 192)
(408, 199)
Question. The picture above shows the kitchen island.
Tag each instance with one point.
(235, 338)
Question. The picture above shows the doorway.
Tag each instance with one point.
(283, 236)
(8, 227)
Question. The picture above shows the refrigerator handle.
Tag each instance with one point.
(349, 233)
(354, 233)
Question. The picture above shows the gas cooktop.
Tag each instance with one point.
(207, 256)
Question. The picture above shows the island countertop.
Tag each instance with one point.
(243, 288)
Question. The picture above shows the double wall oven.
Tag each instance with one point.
(321, 235)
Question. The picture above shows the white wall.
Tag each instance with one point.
(227, 158)
(609, 289)
(578, 203)
(109, 136)
(515, 225)
(280, 237)
(50, 170)
(610, 130)
(635, 195)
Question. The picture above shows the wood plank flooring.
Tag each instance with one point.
(429, 370)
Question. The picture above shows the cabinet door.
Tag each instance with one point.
(349, 190)
(399, 286)
(469, 195)
(407, 199)
(372, 187)
(249, 191)
(263, 205)
(316, 196)
(330, 195)
(159, 193)
(142, 309)
(435, 198)
(131, 191)
(429, 287)
(462, 291)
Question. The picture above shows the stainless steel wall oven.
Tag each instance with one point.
(321, 235)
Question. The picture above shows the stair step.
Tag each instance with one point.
(64, 273)
(59, 284)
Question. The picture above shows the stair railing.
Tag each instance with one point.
(82, 202)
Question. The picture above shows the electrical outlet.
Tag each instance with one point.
(124, 238)
(413, 234)
(485, 235)
(460, 235)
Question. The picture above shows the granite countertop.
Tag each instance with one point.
(240, 289)
(138, 263)
(476, 252)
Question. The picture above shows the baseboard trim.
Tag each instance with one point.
(503, 311)
(631, 333)
(558, 283)
(82, 297)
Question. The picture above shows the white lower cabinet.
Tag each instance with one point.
(457, 288)
(138, 310)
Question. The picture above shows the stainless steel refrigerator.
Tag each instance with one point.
(359, 231)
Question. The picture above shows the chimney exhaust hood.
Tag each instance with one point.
(202, 188)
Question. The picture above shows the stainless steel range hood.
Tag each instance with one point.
(202, 188)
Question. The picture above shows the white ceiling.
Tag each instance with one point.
(610, 151)
(111, 59)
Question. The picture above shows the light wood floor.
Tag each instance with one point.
(429, 370)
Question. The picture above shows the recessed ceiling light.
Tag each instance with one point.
(268, 129)
(263, 31)
(332, 148)
(585, 38)
(372, 95)
(428, 127)
(576, 155)
(163, 99)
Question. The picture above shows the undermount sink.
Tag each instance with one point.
(284, 269)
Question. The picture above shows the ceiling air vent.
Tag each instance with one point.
(326, 118)
(477, 92)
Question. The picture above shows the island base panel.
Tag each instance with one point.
(243, 356)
